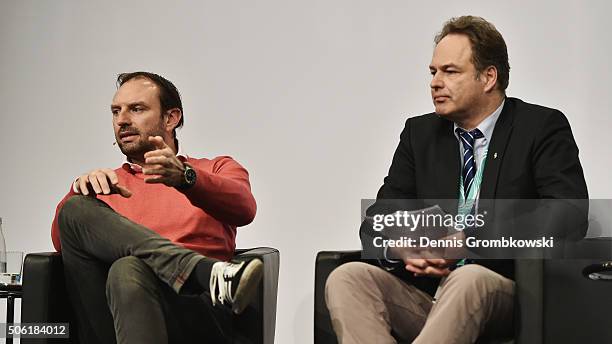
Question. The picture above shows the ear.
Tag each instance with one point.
(489, 77)
(172, 119)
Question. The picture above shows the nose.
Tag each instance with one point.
(123, 118)
(436, 82)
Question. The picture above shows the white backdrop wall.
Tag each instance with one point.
(310, 96)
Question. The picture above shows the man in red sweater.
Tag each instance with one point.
(141, 243)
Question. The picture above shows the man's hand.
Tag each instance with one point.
(100, 181)
(163, 164)
(434, 267)
(430, 262)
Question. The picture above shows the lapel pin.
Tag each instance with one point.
(494, 155)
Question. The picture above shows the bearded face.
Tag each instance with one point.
(136, 116)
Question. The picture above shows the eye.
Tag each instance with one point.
(137, 109)
(115, 112)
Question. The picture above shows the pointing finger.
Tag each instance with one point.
(158, 141)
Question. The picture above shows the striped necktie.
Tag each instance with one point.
(469, 165)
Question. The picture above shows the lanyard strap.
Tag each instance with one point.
(466, 203)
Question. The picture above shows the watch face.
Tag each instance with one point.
(190, 176)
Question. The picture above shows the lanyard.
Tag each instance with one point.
(466, 204)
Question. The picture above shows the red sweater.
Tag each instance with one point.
(202, 218)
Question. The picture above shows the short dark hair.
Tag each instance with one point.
(488, 45)
(169, 96)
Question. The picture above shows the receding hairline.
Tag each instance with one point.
(467, 48)
(140, 77)
(136, 78)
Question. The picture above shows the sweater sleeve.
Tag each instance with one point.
(224, 193)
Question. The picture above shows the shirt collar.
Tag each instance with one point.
(135, 168)
(488, 124)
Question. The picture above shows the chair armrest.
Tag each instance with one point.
(576, 309)
(258, 321)
(326, 262)
(555, 303)
(44, 297)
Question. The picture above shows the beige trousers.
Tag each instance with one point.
(371, 306)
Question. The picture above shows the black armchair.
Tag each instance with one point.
(45, 299)
(554, 302)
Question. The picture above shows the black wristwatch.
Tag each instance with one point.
(190, 178)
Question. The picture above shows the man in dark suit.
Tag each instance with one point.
(479, 144)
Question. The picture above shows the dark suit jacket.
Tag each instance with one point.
(537, 158)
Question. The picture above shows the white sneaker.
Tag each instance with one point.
(235, 283)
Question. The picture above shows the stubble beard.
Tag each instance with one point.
(135, 150)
